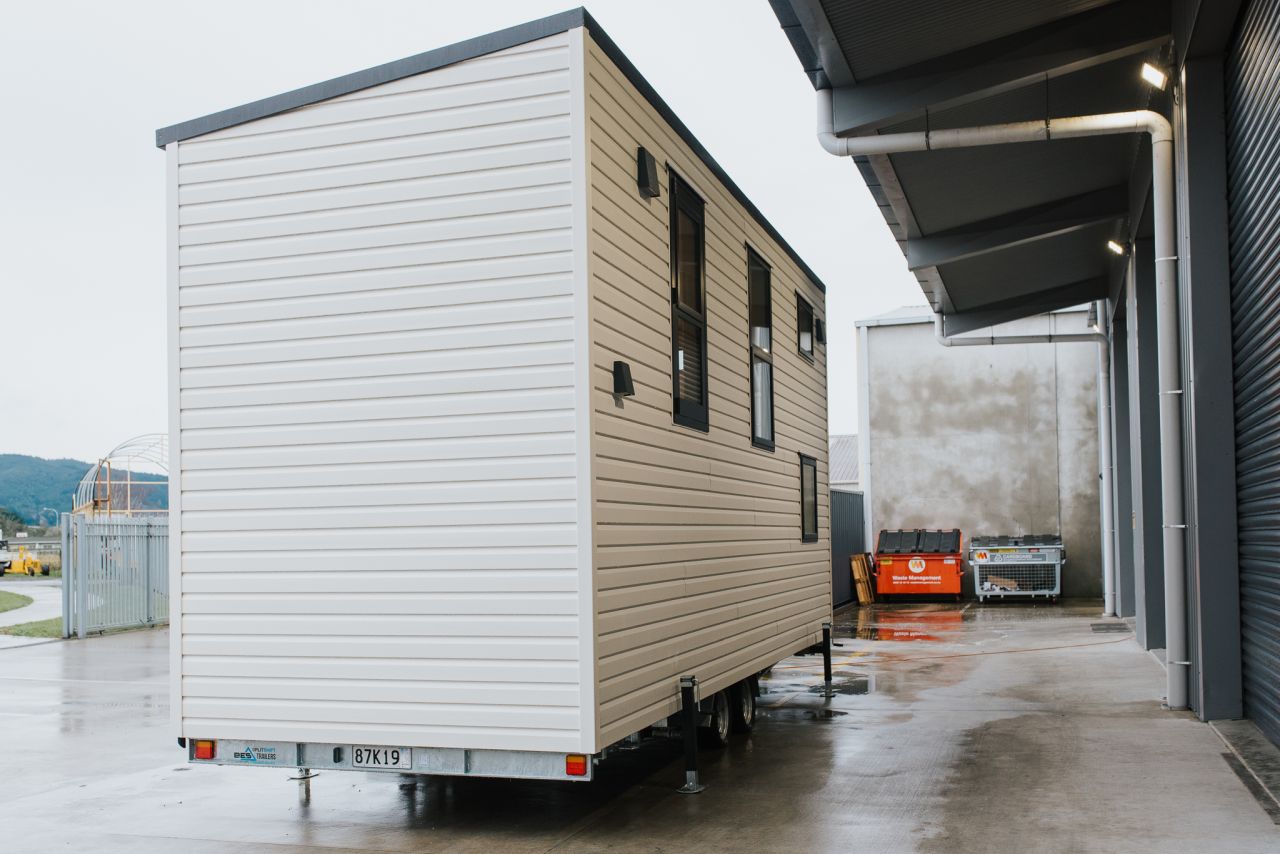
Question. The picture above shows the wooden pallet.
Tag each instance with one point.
(860, 566)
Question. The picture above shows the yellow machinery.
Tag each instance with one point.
(23, 562)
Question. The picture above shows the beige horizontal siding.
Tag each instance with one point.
(699, 564)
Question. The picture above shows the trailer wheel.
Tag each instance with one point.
(743, 711)
(716, 733)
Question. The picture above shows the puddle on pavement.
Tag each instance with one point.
(856, 686)
(846, 684)
(800, 713)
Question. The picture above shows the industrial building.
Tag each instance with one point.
(1036, 155)
(844, 462)
(993, 440)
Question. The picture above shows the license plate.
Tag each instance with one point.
(381, 757)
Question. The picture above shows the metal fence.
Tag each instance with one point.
(115, 572)
(848, 537)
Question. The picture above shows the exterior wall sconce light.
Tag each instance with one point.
(646, 173)
(622, 385)
(1116, 248)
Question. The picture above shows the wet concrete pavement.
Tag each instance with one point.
(951, 729)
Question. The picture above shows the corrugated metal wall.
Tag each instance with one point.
(848, 537)
(1253, 161)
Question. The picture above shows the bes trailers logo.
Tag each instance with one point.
(916, 565)
(256, 754)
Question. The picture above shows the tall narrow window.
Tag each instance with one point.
(688, 312)
(760, 319)
(808, 499)
(804, 327)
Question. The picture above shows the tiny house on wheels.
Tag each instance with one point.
(497, 408)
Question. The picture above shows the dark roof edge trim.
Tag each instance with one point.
(376, 76)
(636, 79)
(471, 49)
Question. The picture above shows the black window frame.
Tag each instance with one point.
(807, 536)
(757, 354)
(802, 303)
(693, 414)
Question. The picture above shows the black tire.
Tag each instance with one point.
(742, 710)
(44, 571)
(716, 733)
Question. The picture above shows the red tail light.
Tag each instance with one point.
(205, 749)
(575, 765)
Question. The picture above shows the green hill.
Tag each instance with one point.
(33, 487)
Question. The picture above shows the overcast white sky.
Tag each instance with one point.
(82, 301)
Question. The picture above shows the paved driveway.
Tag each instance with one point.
(46, 596)
(998, 730)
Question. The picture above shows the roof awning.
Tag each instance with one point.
(996, 233)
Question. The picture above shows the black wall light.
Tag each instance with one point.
(622, 385)
(819, 330)
(646, 173)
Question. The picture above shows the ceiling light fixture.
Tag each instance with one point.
(1117, 248)
(1154, 76)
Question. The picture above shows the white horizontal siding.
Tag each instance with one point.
(377, 425)
(408, 582)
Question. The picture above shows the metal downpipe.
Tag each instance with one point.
(1106, 474)
(1168, 372)
(1167, 347)
(989, 340)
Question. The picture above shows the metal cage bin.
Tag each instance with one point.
(1017, 567)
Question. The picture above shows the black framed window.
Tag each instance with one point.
(688, 312)
(804, 327)
(808, 499)
(760, 321)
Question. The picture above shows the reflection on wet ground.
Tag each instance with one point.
(932, 709)
(905, 624)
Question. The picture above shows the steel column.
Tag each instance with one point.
(1124, 504)
(1214, 582)
(1144, 425)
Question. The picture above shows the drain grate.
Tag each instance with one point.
(1109, 628)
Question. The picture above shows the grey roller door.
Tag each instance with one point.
(1253, 164)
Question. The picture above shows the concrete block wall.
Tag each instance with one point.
(990, 440)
